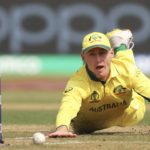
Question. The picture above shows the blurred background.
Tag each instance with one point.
(44, 36)
(40, 44)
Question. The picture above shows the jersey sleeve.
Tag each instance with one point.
(126, 55)
(141, 84)
(71, 102)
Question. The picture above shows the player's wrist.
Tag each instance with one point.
(122, 47)
(62, 128)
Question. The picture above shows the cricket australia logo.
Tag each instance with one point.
(94, 97)
(119, 89)
(94, 38)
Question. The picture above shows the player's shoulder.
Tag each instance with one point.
(79, 75)
(78, 81)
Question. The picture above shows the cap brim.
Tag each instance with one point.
(94, 46)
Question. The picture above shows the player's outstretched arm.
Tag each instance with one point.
(61, 131)
(141, 84)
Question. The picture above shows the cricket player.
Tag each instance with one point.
(108, 90)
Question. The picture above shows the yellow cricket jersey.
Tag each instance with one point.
(90, 103)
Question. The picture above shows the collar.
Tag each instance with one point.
(92, 75)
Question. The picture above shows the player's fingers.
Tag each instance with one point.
(54, 135)
(72, 135)
(57, 135)
(69, 135)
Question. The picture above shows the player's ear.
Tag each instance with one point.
(112, 52)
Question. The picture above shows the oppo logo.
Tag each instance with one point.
(58, 23)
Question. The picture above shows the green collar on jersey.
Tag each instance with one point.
(92, 75)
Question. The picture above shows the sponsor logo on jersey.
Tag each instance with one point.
(94, 97)
(119, 90)
(108, 106)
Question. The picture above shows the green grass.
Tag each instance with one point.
(29, 117)
(31, 97)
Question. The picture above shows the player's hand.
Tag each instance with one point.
(61, 131)
(61, 134)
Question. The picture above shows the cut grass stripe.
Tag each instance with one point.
(29, 117)
(32, 97)
(31, 106)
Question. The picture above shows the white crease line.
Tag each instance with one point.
(20, 138)
(100, 142)
(70, 142)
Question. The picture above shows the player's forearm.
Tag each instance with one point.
(127, 56)
(63, 121)
(68, 110)
(65, 116)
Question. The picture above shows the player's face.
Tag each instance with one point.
(98, 61)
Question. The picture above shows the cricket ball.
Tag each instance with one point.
(39, 138)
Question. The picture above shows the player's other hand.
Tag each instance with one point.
(61, 131)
